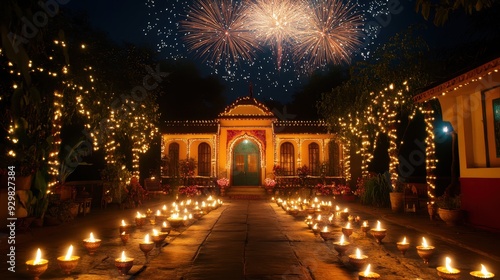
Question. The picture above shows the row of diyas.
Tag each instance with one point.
(319, 226)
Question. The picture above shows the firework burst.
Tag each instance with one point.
(277, 22)
(216, 30)
(333, 34)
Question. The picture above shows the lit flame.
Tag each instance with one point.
(404, 240)
(367, 270)
(123, 256)
(378, 225)
(315, 226)
(91, 238)
(337, 208)
(155, 232)
(69, 253)
(346, 210)
(38, 257)
(139, 215)
(318, 217)
(484, 271)
(315, 200)
(424, 243)
(348, 225)
(185, 218)
(123, 223)
(358, 253)
(146, 238)
(164, 208)
(123, 233)
(158, 213)
(365, 223)
(164, 224)
(448, 264)
(325, 229)
(342, 240)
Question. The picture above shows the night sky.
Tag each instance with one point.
(155, 23)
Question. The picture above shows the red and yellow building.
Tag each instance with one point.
(247, 140)
(471, 103)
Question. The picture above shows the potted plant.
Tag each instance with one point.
(269, 185)
(115, 178)
(449, 209)
(396, 195)
(223, 183)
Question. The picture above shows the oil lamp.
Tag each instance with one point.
(341, 246)
(379, 233)
(357, 260)
(326, 233)
(347, 230)
(365, 227)
(140, 220)
(425, 251)
(146, 246)
(175, 221)
(69, 262)
(37, 266)
(124, 227)
(367, 274)
(91, 244)
(403, 246)
(158, 237)
(124, 236)
(447, 272)
(124, 264)
(483, 274)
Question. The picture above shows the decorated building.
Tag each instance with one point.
(470, 102)
(247, 141)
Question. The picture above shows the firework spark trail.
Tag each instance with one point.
(216, 30)
(164, 23)
(277, 22)
(333, 34)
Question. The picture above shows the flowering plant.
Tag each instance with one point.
(341, 189)
(303, 171)
(269, 183)
(277, 170)
(323, 189)
(223, 182)
(189, 191)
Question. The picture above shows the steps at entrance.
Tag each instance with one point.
(246, 192)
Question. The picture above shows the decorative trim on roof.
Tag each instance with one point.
(459, 81)
(246, 103)
(193, 126)
(303, 127)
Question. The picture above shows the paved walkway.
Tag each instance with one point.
(252, 239)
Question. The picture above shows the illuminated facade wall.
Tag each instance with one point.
(471, 103)
(247, 120)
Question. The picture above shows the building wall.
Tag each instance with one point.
(468, 109)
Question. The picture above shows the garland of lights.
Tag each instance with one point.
(430, 152)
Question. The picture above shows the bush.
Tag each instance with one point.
(376, 191)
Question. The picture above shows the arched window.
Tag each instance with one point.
(333, 159)
(314, 167)
(204, 159)
(287, 159)
(173, 154)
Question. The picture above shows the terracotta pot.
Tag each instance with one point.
(451, 217)
(397, 201)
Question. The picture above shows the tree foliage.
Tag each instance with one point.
(443, 8)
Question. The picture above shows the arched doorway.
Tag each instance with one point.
(246, 162)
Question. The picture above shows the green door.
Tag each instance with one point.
(246, 162)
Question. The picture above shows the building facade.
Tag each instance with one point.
(471, 104)
(247, 141)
